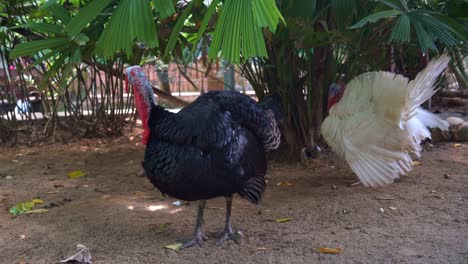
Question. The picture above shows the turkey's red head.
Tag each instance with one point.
(335, 93)
(144, 96)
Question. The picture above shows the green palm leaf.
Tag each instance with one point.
(42, 27)
(209, 13)
(401, 32)
(85, 16)
(238, 31)
(164, 7)
(177, 28)
(53, 70)
(33, 47)
(375, 17)
(395, 4)
(132, 20)
(267, 14)
(343, 10)
(425, 40)
(57, 10)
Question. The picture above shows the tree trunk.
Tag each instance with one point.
(319, 77)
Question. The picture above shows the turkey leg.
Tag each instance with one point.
(228, 232)
(198, 236)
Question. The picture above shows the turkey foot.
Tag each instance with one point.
(229, 235)
(228, 232)
(198, 237)
(197, 240)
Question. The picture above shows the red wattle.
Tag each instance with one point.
(142, 110)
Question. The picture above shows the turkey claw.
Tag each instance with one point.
(198, 240)
(234, 236)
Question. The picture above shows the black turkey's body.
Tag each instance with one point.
(188, 173)
(213, 147)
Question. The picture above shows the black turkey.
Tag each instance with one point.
(213, 147)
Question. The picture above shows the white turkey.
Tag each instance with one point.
(376, 121)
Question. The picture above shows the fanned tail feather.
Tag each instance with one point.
(422, 87)
(431, 120)
(417, 127)
(420, 90)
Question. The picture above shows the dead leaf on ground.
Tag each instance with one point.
(284, 183)
(52, 192)
(214, 207)
(76, 174)
(355, 184)
(37, 211)
(417, 163)
(282, 220)
(37, 201)
(82, 256)
(457, 145)
(175, 247)
(330, 250)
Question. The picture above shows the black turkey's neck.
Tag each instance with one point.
(158, 114)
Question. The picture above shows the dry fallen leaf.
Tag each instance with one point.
(76, 174)
(416, 163)
(457, 145)
(37, 211)
(175, 247)
(213, 207)
(330, 250)
(282, 220)
(52, 192)
(82, 256)
(285, 183)
(37, 201)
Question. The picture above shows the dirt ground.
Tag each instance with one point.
(429, 223)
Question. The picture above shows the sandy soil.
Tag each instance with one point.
(429, 225)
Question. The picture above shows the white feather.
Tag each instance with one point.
(379, 122)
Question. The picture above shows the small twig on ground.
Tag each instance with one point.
(384, 198)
